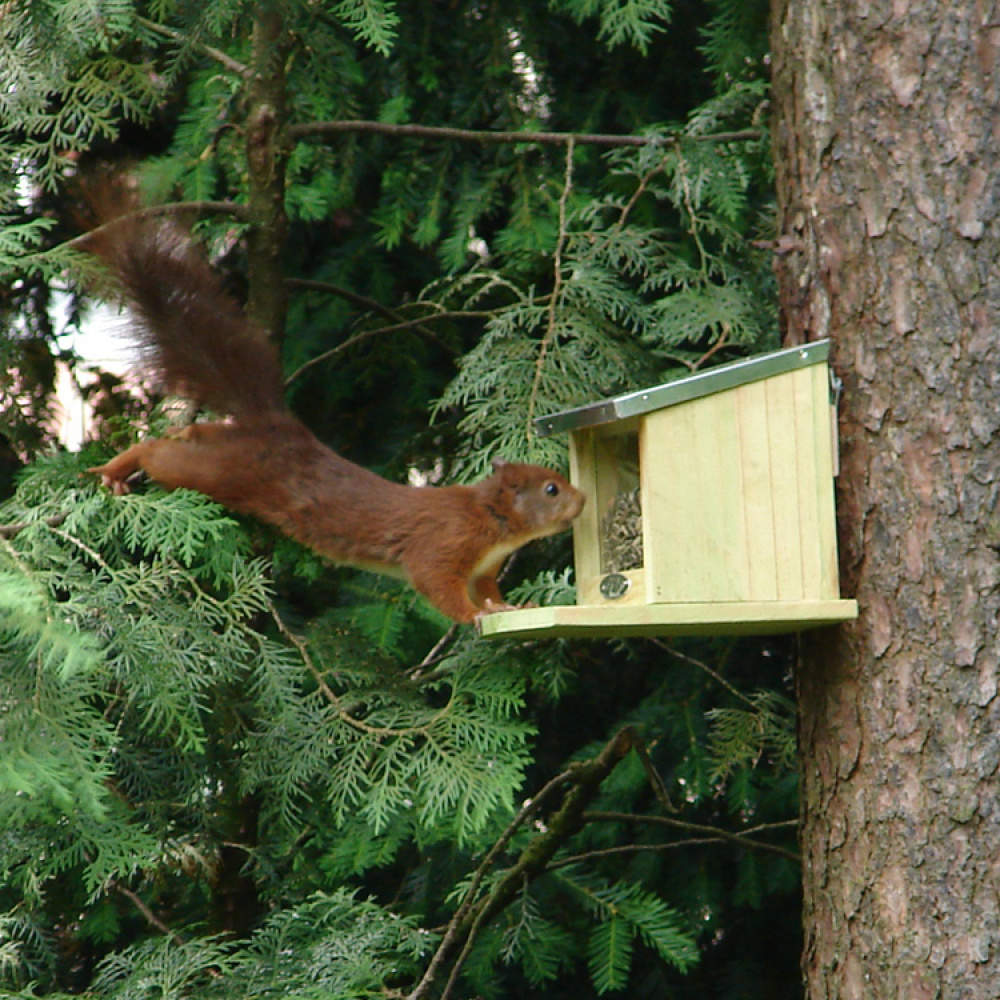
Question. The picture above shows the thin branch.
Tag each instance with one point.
(714, 674)
(355, 298)
(303, 650)
(332, 353)
(399, 322)
(656, 781)
(465, 925)
(416, 325)
(217, 54)
(461, 915)
(709, 832)
(151, 918)
(557, 282)
(626, 849)
(640, 190)
(83, 547)
(719, 345)
(409, 324)
(588, 777)
(436, 654)
(685, 181)
(307, 130)
(470, 917)
(10, 530)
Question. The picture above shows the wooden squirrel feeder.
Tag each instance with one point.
(710, 506)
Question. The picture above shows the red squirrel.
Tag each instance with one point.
(448, 542)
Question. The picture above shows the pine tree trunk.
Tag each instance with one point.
(887, 138)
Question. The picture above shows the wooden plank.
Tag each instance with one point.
(691, 489)
(758, 508)
(784, 484)
(668, 484)
(725, 618)
(723, 530)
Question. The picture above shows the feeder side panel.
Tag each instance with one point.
(586, 541)
(808, 478)
(824, 445)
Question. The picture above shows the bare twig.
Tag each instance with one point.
(656, 782)
(709, 833)
(714, 674)
(436, 654)
(399, 322)
(418, 325)
(640, 190)
(345, 713)
(307, 130)
(719, 345)
(151, 918)
(465, 908)
(355, 298)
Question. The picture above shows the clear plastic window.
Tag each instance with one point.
(619, 503)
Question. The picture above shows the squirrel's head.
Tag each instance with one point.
(542, 500)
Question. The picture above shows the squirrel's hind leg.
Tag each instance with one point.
(172, 462)
(114, 474)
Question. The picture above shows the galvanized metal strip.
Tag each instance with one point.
(685, 389)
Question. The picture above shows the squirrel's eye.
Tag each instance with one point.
(551, 489)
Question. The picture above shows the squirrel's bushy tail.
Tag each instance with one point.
(192, 333)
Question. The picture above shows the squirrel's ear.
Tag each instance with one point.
(498, 463)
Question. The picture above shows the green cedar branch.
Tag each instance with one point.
(470, 918)
(213, 53)
(308, 130)
(345, 714)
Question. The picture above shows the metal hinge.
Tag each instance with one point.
(836, 391)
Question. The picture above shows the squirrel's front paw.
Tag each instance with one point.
(492, 607)
(118, 485)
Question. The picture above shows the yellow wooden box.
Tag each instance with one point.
(710, 506)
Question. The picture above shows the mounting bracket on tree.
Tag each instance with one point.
(710, 506)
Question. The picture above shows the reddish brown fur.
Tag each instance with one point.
(449, 542)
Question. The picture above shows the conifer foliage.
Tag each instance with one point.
(227, 769)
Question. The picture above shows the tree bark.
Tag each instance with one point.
(887, 144)
(267, 156)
